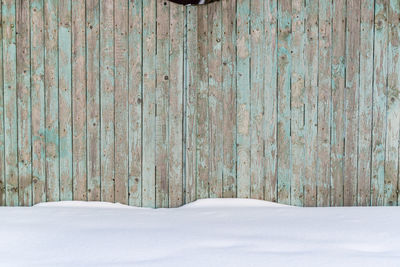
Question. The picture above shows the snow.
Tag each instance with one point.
(214, 232)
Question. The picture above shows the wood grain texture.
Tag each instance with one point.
(324, 103)
(2, 155)
(393, 106)
(51, 9)
(93, 99)
(162, 102)
(175, 109)
(257, 101)
(202, 147)
(38, 103)
(191, 87)
(154, 104)
(107, 83)
(365, 103)
(311, 101)
(135, 102)
(351, 102)
(284, 143)
(297, 103)
(215, 99)
(10, 102)
(338, 91)
(65, 99)
(229, 97)
(243, 54)
(271, 100)
(379, 102)
(121, 100)
(24, 103)
(79, 101)
(149, 107)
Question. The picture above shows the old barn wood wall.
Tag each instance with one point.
(148, 103)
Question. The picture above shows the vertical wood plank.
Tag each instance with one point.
(202, 107)
(135, 101)
(107, 99)
(365, 102)
(243, 99)
(2, 156)
(191, 77)
(311, 102)
(270, 99)
(93, 98)
(10, 102)
(229, 97)
(79, 100)
(149, 94)
(379, 102)
(175, 110)
(162, 101)
(215, 98)
(121, 101)
(324, 102)
(24, 103)
(38, 102)
(338, 84)
(351, 102)
(65, 99)
(51, 98)
(284, 70)
(297, 103)
(393, 106)
(256, 100)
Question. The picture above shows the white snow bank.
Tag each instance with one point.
(204, 233)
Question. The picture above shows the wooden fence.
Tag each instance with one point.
(153, 104)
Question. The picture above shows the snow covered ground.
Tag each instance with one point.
(213, 232)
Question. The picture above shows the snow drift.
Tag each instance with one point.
(217, 232)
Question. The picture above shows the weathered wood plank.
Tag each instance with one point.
(51, 99)
(38, 102)
(93, 98)
(270, 99)
(149, 109)
(298, 103)
(393, 106)
(24, 103)
(107, 83)
(338, 91)
(324, 102)
(257, 43)
(284, 74)
(135, 102)
(215, 98)
(379, 103)
(2, 156)
(121, 100)
(202, 147)
(175, 110)
(162, 102)
(311, 102)
(243, 99)
(351, 102)
(79, 100)
(229, 97)
(365, 102)
(10, 102)
(191, 77)
(65, 99)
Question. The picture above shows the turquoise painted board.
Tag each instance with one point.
(153, 104)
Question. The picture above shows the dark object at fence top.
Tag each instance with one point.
(193, 2)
